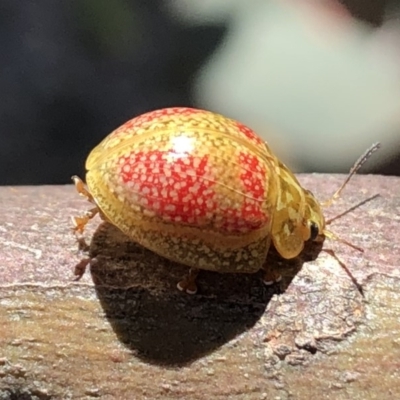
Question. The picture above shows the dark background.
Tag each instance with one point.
(72, 71)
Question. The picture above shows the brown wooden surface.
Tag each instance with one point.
(125, 332)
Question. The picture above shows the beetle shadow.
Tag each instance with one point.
(137, 291)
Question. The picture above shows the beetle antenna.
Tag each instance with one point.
(332, 236)
(348, 272)
(349, 210)
(358, 164)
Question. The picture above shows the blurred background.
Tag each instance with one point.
(319, 80)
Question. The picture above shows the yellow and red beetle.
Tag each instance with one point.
(202, 190)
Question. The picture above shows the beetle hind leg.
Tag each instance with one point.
(188, 284)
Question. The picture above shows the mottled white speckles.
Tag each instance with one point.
(190, 172)
(225, 264)
(140, 167)
(210, 204)
(115, 141)
(205, 249)
(215, 171)
(156, 205)
(177, 168)
(148, 213)
(196, 162)
(162, 180)
(177, 185)
(209, 215)
(170, 208)
(171, 182)
(195, 188)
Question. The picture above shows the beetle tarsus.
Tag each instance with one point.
(80, 222)
(188, 284)
(271, 277)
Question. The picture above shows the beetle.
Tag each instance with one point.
(202, 190)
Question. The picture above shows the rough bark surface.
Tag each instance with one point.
(124, 331)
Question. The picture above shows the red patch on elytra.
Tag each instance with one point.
(254, 185)
(249, 133)
(183, 190)
(174, 189)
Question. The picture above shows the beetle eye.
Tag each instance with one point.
(314, 231)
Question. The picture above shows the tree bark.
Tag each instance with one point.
(124, 331)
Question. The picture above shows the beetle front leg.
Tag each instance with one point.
(270, 276)
(81, 221)
(80, 188)
(188, 284)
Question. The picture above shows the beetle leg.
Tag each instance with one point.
(80, 268)
(188, 284)
(80, 222)
(270, 276)
(80, 188)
